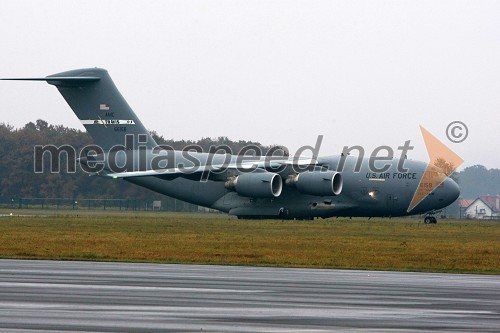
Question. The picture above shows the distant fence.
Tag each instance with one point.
(163, 204)
(493, 217)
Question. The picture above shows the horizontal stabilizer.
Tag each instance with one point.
(61, 81)
(55, 78)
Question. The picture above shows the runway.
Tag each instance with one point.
(122, 297)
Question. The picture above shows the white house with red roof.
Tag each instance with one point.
(484, 207)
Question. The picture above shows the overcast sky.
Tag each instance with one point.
(277, 72)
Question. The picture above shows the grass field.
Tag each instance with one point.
(380, 244)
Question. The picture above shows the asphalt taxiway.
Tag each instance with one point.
(127, 297)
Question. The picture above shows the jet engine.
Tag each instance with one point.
(322, 183)
(256, 184)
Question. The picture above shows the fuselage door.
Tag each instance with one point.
(391, 203)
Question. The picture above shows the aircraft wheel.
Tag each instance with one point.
(433, 220)
(428, 220)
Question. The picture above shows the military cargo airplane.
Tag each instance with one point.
(273, 187)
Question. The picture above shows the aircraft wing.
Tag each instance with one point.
(215, 168)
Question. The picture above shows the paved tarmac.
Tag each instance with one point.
(54, 296)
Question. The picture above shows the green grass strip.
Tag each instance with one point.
(378, 244)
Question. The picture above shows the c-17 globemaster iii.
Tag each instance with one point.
(275, 187)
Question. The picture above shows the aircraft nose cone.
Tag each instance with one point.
(452, 190)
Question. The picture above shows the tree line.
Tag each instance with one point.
(18, 179)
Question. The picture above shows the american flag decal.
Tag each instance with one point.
(103, 107)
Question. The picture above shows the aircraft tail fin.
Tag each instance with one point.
(96, 101)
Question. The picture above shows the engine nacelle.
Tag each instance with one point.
(322, 183)
(256, 184)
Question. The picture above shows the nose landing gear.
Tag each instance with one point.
(430, 220)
